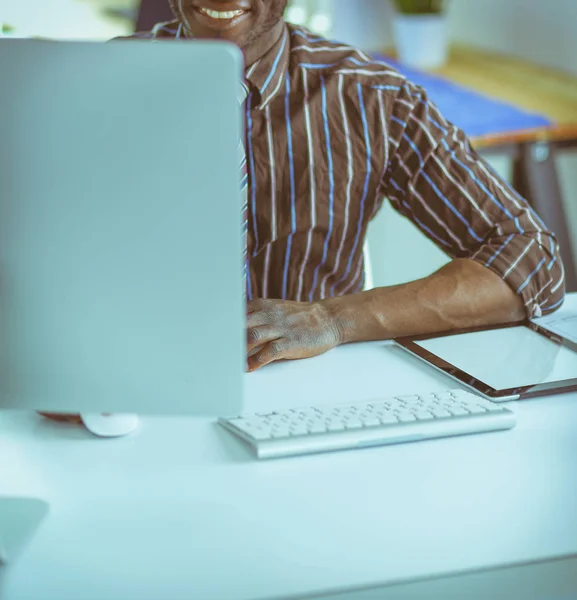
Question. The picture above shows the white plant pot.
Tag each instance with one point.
(421, 40)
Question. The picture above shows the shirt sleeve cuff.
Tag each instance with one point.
(530, 270)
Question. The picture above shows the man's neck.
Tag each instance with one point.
(263, 44)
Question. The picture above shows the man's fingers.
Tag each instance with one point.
(270, 352)
(62, 418)
(260, 335)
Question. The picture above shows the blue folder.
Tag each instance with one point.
(474, 113)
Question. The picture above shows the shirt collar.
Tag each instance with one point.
(267, 74)
(243, 92)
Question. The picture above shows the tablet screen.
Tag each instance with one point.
(506, 358)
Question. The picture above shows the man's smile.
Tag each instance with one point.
(226, 16)
(215, 14)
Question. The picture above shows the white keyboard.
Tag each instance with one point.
(388, 421)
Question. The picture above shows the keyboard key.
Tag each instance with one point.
(317, 427)
(342, 411)
(406, 417)
(353, 424)
(423, 415)
(257, 433)
(411, 403)
(247, 426)
(372, 421)
(446, 396)
(388, 418)
(298, 430)
(309, 412)
(367, 414)
(335, 426)
(281, 432)
(440, 413)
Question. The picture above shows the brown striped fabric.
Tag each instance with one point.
(331, 133)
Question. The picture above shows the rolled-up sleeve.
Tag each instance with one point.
(447, 190)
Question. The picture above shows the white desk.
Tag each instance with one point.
(182, 511)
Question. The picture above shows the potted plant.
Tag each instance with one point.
(421, 33)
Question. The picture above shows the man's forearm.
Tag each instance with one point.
(461, 294)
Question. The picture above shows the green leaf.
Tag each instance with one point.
(420, 7)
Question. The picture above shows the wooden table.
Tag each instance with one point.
(540, 90)
(534, 88)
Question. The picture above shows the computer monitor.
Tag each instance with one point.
(120, 228)
(19, 518)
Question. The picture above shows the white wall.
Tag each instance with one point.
(64, 19)
(542, 32)
(363, 23)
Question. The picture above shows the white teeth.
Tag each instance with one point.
(215, 14)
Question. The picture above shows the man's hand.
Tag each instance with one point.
(283, 330)
(62, 418)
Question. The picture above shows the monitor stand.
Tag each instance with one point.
(19, 519)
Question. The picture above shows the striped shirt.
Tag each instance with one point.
(330, 134)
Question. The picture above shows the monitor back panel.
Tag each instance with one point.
(120, 227)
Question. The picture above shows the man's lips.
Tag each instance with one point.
(221, 15)
(232, 5)
(220, 19)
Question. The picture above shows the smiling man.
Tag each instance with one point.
(331, 133)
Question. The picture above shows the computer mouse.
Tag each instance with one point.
(110, 424)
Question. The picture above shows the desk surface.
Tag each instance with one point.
(182, 510)
(530, 87)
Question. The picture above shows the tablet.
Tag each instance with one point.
(503, 363)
